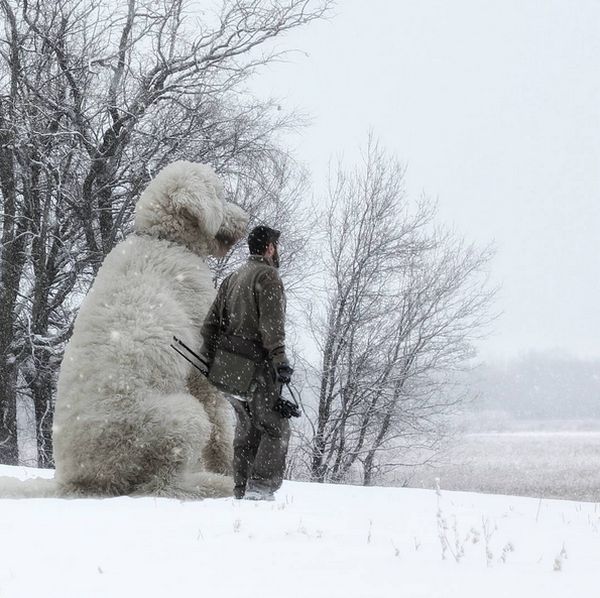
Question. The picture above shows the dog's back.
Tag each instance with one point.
(106, 428)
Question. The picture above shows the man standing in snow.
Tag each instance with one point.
(249, 312)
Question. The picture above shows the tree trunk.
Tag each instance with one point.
(44, 409)
(370, 458)
(9, 452)
(368, 470)
(11, 267)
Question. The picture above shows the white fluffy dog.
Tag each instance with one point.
(131, 417)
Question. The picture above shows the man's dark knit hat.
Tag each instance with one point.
(260, 237)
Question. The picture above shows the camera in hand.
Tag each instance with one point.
(287, 408)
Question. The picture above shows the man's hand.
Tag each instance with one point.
(284, 373)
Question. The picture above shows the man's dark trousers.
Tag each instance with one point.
(261, 439)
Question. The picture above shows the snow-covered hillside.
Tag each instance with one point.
(315, 540)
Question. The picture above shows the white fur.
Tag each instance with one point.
(131, 417)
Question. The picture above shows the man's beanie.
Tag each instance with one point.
(260, 237)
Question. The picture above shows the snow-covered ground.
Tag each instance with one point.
(315, 540)
(552, 464)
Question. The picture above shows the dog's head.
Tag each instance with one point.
(185, 203)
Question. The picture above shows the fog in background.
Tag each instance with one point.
(495, 109)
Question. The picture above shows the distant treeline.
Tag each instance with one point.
(541, 386)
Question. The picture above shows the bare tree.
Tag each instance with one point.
(403, 302)
(94, 98)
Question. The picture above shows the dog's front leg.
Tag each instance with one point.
(218, 452)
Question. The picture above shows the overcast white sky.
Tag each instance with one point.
(495, 108)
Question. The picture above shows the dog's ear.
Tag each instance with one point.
(200, 201)
(233, 225)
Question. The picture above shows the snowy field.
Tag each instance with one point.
(314, 541)
(550, 464)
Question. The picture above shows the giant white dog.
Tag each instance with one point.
(131, 417)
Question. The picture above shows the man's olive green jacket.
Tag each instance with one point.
(250, 304)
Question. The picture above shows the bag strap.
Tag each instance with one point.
(223, 291)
